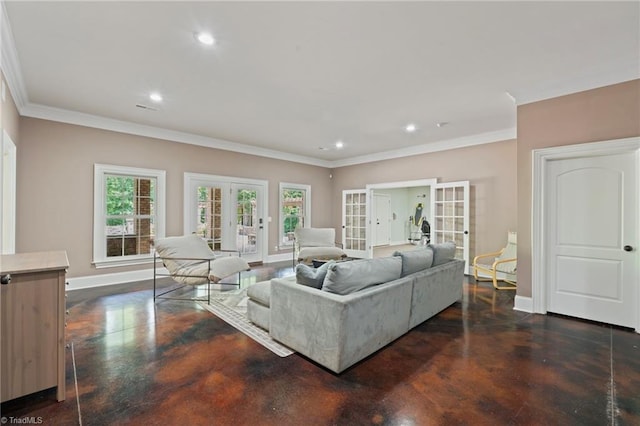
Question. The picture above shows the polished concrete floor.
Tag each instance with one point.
(479, 362)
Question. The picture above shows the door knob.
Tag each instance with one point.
(628, 248)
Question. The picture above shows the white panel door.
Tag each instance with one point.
(381, 216)
(451, 217)
(354, 222)
(591, 237)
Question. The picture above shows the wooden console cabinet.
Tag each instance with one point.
(32, 324)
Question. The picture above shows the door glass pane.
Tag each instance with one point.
(210, 215)
(247, 221)
(355, 221)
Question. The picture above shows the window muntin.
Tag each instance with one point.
(129, 214)
(295, 211)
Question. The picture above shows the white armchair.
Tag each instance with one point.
(316, 244)
(190, 261)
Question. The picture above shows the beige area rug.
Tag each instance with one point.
(231, 307)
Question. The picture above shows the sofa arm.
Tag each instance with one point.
(339, 330)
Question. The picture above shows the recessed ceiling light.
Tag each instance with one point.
(410, 128)
(205, 38)
(155, 97)
(339, 144)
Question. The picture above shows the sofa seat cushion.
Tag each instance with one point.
(312, 277)
(415, 260)
(260, 292)
(258, 314)
(352, 276)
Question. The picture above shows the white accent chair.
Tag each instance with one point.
(503, 267)
(190, 261)
(316, 244)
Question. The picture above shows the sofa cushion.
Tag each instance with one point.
(349, 277)
(260, 292)
(415, 260)
(312, 277)
(443, 252)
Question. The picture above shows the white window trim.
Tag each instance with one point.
(100, 259)
(307, 209)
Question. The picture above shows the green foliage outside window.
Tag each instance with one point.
(292, 209)
(120, 194)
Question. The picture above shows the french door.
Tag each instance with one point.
(449, 213)
(450, 204)
(354, 222)
(228, 212)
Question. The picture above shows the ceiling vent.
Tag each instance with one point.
(150, 108)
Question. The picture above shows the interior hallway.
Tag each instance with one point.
(478, 362)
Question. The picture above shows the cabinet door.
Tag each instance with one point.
(451, 217)
(29, 329)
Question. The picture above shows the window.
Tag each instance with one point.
(295, 210)
(128, 214)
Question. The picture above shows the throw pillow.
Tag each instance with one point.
(306, 275)
(349, 277)
(415, 260)
(443, 252)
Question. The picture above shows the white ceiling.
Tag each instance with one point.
(285, 79)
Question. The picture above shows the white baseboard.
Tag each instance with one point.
(524, 304)
(101, 280)
(282, 257)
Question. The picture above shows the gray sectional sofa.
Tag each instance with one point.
(341, 313)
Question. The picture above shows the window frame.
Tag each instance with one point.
(307, 209)
(101, 171)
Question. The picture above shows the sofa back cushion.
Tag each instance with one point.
(415, 260)
(312, 277)
(352, 276)
(443, 252)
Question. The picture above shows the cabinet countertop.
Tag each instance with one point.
(33, 262)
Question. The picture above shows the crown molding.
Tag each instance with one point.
(442, 145)
(10, 62)
(630, 71)
(98, 122)
(88, 120)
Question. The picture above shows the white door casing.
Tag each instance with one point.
(8, 195)
(231, 238)
(585, 211)
(387, 185)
